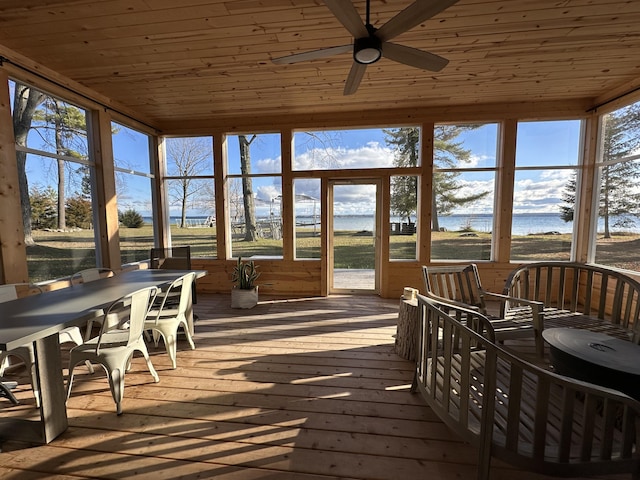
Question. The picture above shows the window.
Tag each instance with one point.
(191, 194)
(618, 230)
(307, 218)
(463, 191)
(547, 156)
(131, 153)
(403, 217)
(346, 149)
(57, 179)
(254, 192)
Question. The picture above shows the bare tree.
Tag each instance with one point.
(187, 157)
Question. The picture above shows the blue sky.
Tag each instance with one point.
(539, 144)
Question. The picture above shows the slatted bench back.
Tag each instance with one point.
(515, 411)
(460, 283)
(588, 289)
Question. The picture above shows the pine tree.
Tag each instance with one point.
(619, 202)
(448, 154)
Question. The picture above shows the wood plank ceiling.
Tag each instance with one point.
(206, 60)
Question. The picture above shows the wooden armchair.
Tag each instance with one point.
(514, 411)
(460, 285)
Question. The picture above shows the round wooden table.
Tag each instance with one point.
(595, 358)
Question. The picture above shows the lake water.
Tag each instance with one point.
(523, 224)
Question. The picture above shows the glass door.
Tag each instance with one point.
(353, 246)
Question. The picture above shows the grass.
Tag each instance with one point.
(57, 255)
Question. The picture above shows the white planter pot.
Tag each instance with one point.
(244, 298)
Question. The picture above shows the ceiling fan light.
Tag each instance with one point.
(367, 50)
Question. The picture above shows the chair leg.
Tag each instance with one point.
(172, 349)
(70, 381)
(116, 382)
(143, 349)
(189, 336)
(5, 391)
(88, 331)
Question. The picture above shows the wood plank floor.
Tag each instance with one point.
(307, 389)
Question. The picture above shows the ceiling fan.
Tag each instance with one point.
(371, 43)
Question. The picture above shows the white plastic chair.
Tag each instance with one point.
(116, 344)
(26, 353)
(166, 320)
(90, 275)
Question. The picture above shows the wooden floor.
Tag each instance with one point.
(307, 389)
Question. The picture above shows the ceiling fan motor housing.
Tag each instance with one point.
(367, 50)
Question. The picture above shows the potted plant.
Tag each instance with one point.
(244, 293)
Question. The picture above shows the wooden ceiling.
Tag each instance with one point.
(175, 61)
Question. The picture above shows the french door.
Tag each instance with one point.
(353, 252)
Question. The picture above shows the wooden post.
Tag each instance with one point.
(13, 251)
(406, 334)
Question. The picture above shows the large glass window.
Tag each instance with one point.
(56, 178)
(254, 192)
(405, 144)
(191, 195)
(547, 157)
(345, 149)
(463, 191)
(618, 230)
(131, 152)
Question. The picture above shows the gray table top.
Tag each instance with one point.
(30, 318)
(596, 348)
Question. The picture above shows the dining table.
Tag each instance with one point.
(37, 319)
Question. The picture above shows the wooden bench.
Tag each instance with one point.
(460, 285)
(517, 412)
(580, 295)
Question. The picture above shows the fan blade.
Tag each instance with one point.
(348, 16)
(413, 57)
(413, 15)
(313, 55)
(355, 77)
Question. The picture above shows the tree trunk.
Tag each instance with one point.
(250, 232)
(25, 202)
(60, 150)
(25, 103)
(605, 206)
(62, 222)
(183, 216)
(435, 224)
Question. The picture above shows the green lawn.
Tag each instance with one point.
(59, 254)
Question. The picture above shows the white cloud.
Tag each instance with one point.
(268, 165)
(371, 155)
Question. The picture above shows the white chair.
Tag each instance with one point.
(90, 275)
(166, 320)
(26, 353)
(114, 347)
